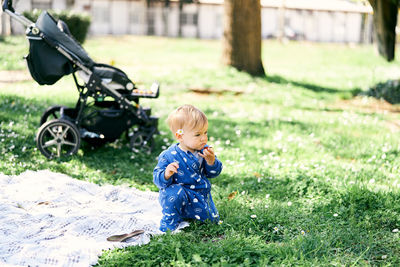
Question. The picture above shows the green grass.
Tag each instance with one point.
(317, 167)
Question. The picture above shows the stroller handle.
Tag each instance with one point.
(7, 5)
(8, 8)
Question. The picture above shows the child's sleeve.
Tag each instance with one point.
(159, 172)
(213, 170)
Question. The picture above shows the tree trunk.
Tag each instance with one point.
(242, 35)
(385, 19)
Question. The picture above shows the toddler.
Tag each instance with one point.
(183, 170)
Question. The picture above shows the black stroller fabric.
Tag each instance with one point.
(48, 25)
(113, 73)
(45, 63)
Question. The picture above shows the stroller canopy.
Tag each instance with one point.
(46, 64)
(48, 25)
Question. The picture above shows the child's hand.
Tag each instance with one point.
(208, 155)
(171, 169)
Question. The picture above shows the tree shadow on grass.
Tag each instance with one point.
(312, 87)
(20, 121)
(117, 162)
(19, 118)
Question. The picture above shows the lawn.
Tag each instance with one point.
(311, 170)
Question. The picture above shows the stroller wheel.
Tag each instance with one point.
(51, 113)
(58, 138)
(141, 141)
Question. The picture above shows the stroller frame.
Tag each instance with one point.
(61, 136)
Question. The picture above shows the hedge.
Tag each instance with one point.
(389, 91)
(78, 23)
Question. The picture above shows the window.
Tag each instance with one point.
(218, 21)
(135, 17)
(101, 14)
(189, 18)
(151, 21)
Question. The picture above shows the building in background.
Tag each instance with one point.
(338, 21)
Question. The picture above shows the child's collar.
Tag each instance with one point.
(186, 151)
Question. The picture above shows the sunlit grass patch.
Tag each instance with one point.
(311, 174)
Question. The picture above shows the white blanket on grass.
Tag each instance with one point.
(51, 219)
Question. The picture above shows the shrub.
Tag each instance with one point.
(78, 23)
(389, 90)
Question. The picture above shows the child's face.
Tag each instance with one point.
(194, 139)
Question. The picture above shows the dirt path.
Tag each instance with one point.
(372, 105)
(367, 105)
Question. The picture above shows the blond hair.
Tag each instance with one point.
(186, 116)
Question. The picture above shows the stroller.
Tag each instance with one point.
(108, 103)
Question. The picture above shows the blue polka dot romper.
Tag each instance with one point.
(187, 194)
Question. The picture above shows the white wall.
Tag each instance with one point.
(269, 22)
(119, 17)
(339, 32)
(130, 17)
(325, 26)
(353, 33)
(173, 18)
(19, 7)
(210, 21)
(101, 16)
(137, 18)
(158, 23)
(59, 4)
